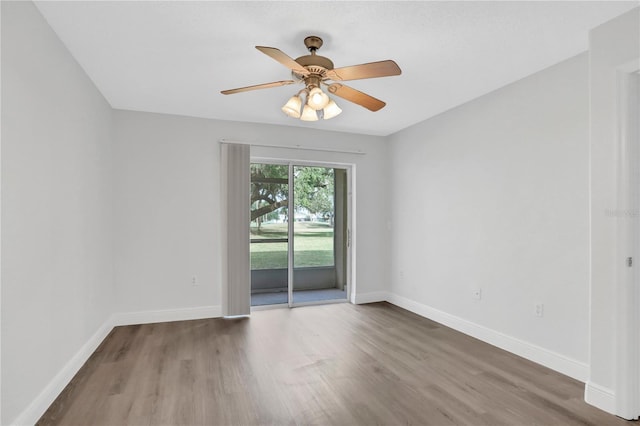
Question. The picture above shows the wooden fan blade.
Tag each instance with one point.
(257, 86)
(283, 58)
(371, 70)
(357, 97)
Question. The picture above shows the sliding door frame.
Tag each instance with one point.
(349, 221)
(291, 214)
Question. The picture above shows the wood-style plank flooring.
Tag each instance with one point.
(338, 364)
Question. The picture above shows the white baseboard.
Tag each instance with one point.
(38, 406)
(42, 402)
(570, 367)
(600, 397)
(166, 315)
(371, 297)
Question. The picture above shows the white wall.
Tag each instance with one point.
(612, 45)
(494, 195)
(56, 207)
(167, 195)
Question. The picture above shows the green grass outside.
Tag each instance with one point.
(313, 245)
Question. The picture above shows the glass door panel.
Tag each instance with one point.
(269, 234)
(317, 243)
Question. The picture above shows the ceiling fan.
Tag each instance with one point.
(315, 71)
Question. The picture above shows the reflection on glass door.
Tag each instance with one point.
(298, 255)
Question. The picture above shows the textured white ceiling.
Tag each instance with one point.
(174, 57)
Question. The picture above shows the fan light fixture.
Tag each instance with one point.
(309, 114)
(293, 105)
(316, 100)
(331, 110)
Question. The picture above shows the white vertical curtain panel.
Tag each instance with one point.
(236, 176)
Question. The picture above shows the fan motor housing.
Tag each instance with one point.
(315, 64)
(315, 60)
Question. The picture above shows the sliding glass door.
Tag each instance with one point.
(299, 255)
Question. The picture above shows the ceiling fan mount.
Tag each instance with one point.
(313, 43)
(314, 70)
(315, 64)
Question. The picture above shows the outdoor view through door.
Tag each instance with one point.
(314, 270)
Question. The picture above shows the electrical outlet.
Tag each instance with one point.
(477, 294)
(194, 280)
(539, 309)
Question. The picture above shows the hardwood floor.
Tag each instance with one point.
(338, 364)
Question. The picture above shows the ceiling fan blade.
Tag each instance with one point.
(283, 58)
(357, 97)
(257, 86)
(371, 70)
